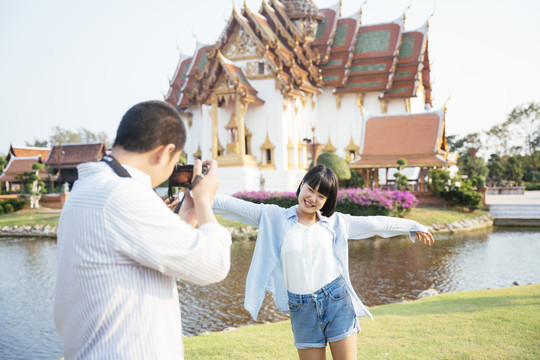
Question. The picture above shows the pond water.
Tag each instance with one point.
(382, 271)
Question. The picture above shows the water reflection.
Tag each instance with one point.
(382, 271)
(28, 271)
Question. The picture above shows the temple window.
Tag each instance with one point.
(248, 140)
(267, 154)
(352, 150)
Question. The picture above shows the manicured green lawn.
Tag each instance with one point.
(488, 324)
(431, 215)
(29, 217)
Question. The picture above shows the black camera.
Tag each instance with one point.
(183, 174)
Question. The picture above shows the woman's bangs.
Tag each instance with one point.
(325, 185)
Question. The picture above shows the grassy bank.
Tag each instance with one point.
(424, 215)
(488, 324)
(430, 215)
(30, 217)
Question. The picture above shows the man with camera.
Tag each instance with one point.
(120, 247)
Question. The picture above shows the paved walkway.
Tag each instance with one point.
(529, 198)
(515, 210)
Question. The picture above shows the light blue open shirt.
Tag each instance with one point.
(265, 272)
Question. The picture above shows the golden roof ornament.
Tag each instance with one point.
(305, 15)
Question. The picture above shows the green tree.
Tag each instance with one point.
(3, 162)
(495, 170)
(336, 163)
(402, 183)
(37, 143)
(64, 136)
(499, 137)
(525, 119)
(513, 170)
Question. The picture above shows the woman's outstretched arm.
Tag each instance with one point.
(361, 227)
(236, 209)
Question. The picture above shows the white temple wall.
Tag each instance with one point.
(194, 134)
(372, 104)
(265, 119)
(349, 124)
(396, 106)
(417, 103)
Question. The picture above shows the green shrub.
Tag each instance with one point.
(532, 187)
(456, 190)
(10, 205)
(336, 163)
(1, 209)
(356, 181)
(8, 208)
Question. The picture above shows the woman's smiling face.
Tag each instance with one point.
(310, 200)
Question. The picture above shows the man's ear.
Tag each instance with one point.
(164, 152)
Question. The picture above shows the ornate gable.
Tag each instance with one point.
(242, 44)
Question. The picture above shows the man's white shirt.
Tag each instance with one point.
(119, 251)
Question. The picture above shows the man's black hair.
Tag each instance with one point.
(327, 182)
(148, 125)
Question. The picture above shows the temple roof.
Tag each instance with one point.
(419, 138)
(19, 165)
(237, 79)
(27, 151)
(70, 155)
(374, 55)
(345, 55)
(410, 63)
(301, 8)
(178, 81)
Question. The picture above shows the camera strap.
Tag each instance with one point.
(116, 166)
(188, 191)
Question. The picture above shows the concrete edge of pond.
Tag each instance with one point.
(249, 233)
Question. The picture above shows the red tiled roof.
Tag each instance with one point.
(410, 62)
(179, 79)
(195, 70)
(391, 161)
(27, 151)
(70, 155)
(325, 33)
(19, 165)
(419, 138)
(344, 55)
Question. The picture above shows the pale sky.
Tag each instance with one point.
(83, 63)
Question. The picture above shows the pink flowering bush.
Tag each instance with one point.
(357, 201)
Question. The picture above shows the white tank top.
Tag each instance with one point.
(308, 259)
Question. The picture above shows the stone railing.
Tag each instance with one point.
(500, 190)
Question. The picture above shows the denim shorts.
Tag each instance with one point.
(327, 315)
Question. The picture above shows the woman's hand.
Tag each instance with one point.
(426, 237)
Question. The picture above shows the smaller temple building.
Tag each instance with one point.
(12, 177)
(418, 138)
(64, 158)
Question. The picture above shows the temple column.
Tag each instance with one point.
(421, 180)
(240, 110)
(213, 114)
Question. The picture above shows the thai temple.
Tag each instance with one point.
(289, 80)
